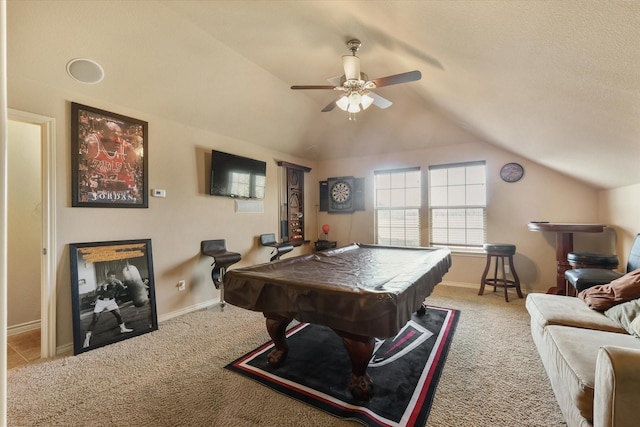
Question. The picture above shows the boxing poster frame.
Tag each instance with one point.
(108, 172)
(125, 308)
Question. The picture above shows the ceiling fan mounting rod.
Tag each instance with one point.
(354, 45)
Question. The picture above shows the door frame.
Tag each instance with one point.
(48, 238)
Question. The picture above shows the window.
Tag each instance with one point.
(397, 207)
(242, 183)
(457, 205)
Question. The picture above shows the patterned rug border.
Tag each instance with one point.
(417, 408)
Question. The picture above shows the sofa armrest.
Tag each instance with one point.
(616, 387)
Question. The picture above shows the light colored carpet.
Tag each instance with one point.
(175, 377)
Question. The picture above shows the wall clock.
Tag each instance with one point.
(340, 194)
(511, 172)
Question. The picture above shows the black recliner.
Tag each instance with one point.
(584, 278)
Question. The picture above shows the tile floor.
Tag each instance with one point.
(23, 348)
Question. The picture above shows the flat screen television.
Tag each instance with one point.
(237, 176)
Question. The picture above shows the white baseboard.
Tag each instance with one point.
(476, 286)
(64, 349)
(205, 304)
(23, 327)
(209, 304)
(68, 348)
(213, 303)
(460, 284)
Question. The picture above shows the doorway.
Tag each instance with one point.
(31, 146)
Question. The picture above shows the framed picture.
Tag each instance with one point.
(108, 159)
(113, 292)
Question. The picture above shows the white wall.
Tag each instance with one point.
(179, 158)
(621, 207)
(541, 195)
(24, 221)
(178, 163)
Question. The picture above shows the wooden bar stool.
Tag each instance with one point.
(497, 254)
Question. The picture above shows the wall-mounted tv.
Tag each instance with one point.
(237, 176)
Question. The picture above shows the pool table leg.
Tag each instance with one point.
(422, 310)
(360, 350)
(277, 327)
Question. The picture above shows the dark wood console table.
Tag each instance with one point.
(322, 245)
(564, 245)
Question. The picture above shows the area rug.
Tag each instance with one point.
(405, 370)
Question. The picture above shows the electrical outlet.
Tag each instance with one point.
(181, 285)
(507, 269)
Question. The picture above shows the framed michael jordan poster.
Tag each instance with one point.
(108, 159)
(113, 292)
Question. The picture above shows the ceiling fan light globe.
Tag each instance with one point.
(354, 102)
(354, 108)
(366, 101)
(343, 103)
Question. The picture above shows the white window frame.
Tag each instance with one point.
(397, 206)
(461, 206)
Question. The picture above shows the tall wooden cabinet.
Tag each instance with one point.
(292, 220)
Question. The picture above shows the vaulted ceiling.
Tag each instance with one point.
(557, 82)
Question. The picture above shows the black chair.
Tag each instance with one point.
(279, 248)
(222, 259)
(592, 260)
(584, 278)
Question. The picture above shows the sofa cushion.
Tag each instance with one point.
(624, 314)
(573, 353)
(635, 327)
(603, 297)
(547, 309)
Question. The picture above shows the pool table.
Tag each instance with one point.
(360, 291)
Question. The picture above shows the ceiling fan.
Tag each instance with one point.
(357, 87)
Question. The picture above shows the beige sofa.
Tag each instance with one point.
(593, 363)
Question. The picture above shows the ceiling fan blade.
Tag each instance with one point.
(351, 64)
(379, 101)
(330, 106)
(313, 87)
(336, 80)
(410, 76)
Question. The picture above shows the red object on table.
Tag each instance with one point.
(564, 245)
(325, 228)
(360, 291)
